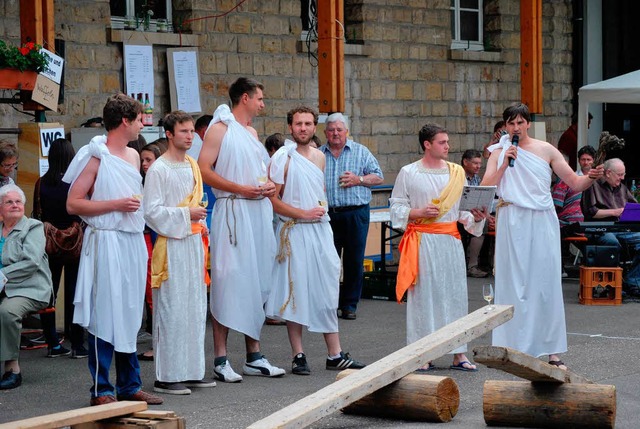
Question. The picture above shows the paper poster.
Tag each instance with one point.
(138, 71)
(184, 78)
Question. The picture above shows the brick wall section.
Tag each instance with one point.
(406, 78)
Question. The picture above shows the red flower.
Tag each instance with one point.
(24, 51)
(30, 46)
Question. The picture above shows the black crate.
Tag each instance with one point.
(378, 285)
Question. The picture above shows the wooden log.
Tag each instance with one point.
(524, 366)
(419, 397)
(386, 370)
(78, 416)
(549, 405)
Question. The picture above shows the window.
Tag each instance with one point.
(467, 25)
(125, 10)
(352, 25)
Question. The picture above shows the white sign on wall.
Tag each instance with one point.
(54, 68)
(47, 136)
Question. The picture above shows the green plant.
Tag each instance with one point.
(27, 57)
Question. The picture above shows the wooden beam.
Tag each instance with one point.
(531, 54)
(524, 366)
(386, 370)
(331, 56)
(78, 416)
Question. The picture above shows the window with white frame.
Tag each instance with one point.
(467, 25)
(123, 12)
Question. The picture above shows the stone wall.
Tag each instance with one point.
(399, 77)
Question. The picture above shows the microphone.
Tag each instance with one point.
(514, 141)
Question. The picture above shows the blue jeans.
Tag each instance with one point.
(350, 229)
(128, 379)
(629, 239)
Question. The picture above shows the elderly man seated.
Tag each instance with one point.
(605, 201)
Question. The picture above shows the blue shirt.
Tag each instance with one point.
(357, 159)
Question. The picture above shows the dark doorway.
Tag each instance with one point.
(621, 55)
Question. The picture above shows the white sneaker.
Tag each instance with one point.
(262, 367)
(225, 373)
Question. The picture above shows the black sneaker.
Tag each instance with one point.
(343, 362)
(299, 365)
(79, 353)
(171, 388)
(58, 351)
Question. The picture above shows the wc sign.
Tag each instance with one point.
(47, 136)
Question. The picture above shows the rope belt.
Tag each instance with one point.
(284, 252)
(231, 199)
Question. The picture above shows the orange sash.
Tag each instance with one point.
(197, 228)
(409, 250)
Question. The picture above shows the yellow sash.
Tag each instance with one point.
(159, 263)
(410, 243)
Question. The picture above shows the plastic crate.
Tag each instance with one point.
(600, 286)
(379, 285)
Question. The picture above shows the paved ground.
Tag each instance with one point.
(604, 343)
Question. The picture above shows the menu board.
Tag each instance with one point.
(184, 79)
(138, 71)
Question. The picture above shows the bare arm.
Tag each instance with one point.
(78, 204)
(285, 209)
(494, 173)
(207, 160)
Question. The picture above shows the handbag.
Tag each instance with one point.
(59, 242)
(64, 242)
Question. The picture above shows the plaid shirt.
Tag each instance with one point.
(357, 159)
(473, 181)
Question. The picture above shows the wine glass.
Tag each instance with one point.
(487, 293)
(204, 202)
(262, 180)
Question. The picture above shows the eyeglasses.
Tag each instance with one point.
(9, 203)
(618, 174)
(14, 165)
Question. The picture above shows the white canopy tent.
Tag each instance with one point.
(623, 89)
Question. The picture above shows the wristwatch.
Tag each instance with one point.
(361, 179)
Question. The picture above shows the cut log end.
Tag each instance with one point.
(417, 397)
(549, 405)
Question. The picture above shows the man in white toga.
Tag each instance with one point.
(528, 266)
(307, 275)
(432, 270)
(243, 247)
(172, 196)
(106, 188)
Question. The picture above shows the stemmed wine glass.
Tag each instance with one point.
(487, 293)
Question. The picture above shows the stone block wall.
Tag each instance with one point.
(399, 76)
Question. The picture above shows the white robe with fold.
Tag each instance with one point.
(243, 247)
(180, 303)
(314, 263)
(439, 296)
(113, 265)
(527, 259)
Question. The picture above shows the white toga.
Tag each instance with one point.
(243, 247)
(114, 254)
(440, 294)
(314, 262)
(180, 304)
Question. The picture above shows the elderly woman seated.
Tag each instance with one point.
(25, 279)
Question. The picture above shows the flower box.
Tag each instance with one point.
(15, 79)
